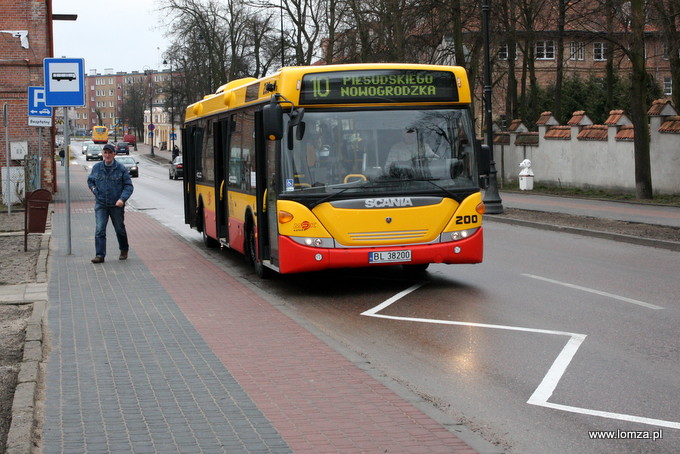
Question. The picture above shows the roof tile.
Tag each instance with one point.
(559, 133)
(626, 133)
(593, 132)
(527, 138)
(671, 125)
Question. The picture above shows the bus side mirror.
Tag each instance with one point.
(272, 119)
(484, 160)
(296, 123)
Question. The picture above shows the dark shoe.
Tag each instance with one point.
(98, 259)
(123, 255)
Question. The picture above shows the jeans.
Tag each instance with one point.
(117, 215)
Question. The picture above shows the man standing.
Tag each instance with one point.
(111, 185)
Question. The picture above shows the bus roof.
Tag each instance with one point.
(368, 87)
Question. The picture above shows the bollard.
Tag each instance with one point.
(35, 215)
(526, 176)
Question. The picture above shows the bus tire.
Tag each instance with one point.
(209, 242)
(251, 253)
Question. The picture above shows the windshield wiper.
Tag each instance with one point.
(327, 198)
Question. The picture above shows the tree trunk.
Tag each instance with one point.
(643, 172)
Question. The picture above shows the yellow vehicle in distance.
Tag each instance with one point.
(100, 134)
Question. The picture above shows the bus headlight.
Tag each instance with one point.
(314, 242)
(458, 235)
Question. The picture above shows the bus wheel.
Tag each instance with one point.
(208, 241)
(416, 268)
(251, 254)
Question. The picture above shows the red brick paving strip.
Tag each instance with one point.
(317, 399)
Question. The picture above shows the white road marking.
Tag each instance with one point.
(597, 292)
(547, 386)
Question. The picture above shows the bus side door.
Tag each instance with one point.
(222, 131)
(189, 180)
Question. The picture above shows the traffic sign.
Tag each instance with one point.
(38, 113)
(151, 126)
(64, 82)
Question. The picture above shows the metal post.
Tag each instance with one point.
(492, 200)
(150, 74)
(7, 150)
(67, 180)
(40, 143)
(283, 56)
(172, 112)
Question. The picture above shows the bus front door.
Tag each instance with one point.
(270, 193)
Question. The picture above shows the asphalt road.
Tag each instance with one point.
(553, 336)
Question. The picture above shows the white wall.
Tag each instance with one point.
(601, 164)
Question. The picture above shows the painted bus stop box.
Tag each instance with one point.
(37, 206)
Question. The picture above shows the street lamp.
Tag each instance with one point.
(172, 108)
(149, 73)
(492, 199)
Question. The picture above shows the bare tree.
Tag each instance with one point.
(666, 13)
(135, 102)
(639, 107)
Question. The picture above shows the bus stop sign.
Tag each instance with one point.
(64, 82)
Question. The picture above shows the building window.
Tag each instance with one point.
(504, 52)
(577, 51)
(600, 51)
(545, 50)
(668, 86)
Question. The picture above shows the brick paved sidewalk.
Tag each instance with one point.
(165, 352)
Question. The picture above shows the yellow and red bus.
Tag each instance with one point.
(298, 172)
(100, 134)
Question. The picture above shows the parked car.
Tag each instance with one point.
(86, 144)
(130, 164)
(122, 148)
(130, 139)
(176, 168)
(94, 152)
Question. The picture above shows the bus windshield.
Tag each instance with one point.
(380, 151)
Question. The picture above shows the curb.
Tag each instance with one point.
(661, 244)
(24, 412)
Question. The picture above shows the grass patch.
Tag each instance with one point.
(591, 193)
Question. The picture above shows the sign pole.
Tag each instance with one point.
(39, 163)
(67, 180)
(9, 185)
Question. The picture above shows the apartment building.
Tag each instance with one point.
(106, 94)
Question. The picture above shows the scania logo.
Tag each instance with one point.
(389, 202)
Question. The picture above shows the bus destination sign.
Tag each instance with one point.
(378, 86)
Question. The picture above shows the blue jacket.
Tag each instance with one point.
(109, 185)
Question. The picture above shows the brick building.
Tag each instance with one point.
(25, 40)
(105, 95)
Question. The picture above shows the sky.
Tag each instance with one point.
(120, 35)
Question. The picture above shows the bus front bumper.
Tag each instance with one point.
(296, 258)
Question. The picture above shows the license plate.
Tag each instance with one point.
(402, 255)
